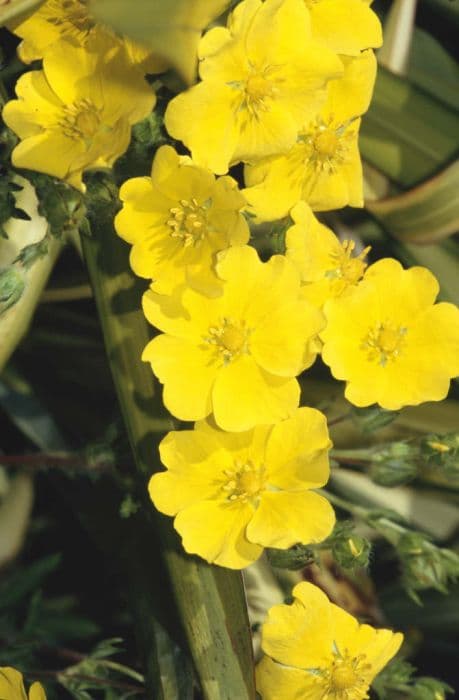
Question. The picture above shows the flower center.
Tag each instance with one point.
(258, 89)
(328, 145)
(230, 339)
(71, 16)
(345, 679)
(81, 120)
(245, 482)
(384, 342)
(348, 268)
(188, 222)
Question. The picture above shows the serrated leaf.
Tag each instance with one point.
(407, 134)
(12, 9)
(424, 214)
(172, 28)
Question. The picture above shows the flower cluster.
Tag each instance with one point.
(281, 91)
(77, 111)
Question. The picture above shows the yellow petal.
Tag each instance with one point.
(209, 133)
(245, 395)
(280, 343)
(345, 27)
(186, 373)
(216, 531)
(277, 682)
(11, 684)
(49, 152)
(285, 518)
(377, 645)
(36, 692)
(297, 451)
(300, 634)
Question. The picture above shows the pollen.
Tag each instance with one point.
(384, 342)
(244, 482)
(188, 222)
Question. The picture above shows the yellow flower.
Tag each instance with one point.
(12, 686)
(70, 19)
(236, 355)
(260, 76)
(178, 219)
(389, 341)
(317, 651)
(323, 168)
(327, 267)
(235, 493)
(76, 113)
(345, 26)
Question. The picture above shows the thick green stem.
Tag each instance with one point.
(210, 600)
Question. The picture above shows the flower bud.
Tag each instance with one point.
(351, 552)
(372, 418)
(395, 464)
(295, 558)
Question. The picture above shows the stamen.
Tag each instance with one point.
(244, 483)
(384, 342)
(230, 339)
(188, 222)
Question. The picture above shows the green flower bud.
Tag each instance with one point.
(429, 689)
(442, 451)
(372, 418)
(395, 464)
(351, 552)
(425, 565)
(297, 557)
(12, 286)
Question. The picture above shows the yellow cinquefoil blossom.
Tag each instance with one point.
(388, 339)
(77, 112)
(260, 76)
(178, 219)
(323, 168)
(235, 355)
(327, 267)
(235, 493)
(345, 26)
(70, 19)
(12, 686)
(317, 651)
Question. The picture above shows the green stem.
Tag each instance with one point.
(210, 600)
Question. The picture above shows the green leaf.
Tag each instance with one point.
(432, 68)
(407, 134)
(210, 599)
(172, 28)
(424, 214)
